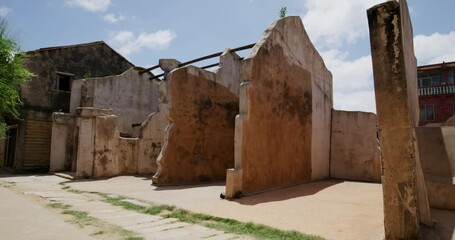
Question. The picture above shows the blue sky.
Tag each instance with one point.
(146, 30)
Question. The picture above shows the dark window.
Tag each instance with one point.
(451, 77)
(429, 79)
(63, 82)
(426, 113)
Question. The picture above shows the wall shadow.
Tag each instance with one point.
(443, 225)
(187, 186)
(286, 193)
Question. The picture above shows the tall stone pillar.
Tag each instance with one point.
(395, 82)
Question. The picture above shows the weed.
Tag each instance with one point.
(100, 232)
(59, 205)
(81, 218)
(155, 210)
(73, 190)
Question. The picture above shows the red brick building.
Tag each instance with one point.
(436, 85)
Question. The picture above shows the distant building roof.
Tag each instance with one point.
(435, 66)
(78, 46)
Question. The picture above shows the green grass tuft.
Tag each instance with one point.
(157, 209)
(81, 218)
(59, 205)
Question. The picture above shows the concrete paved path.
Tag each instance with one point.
(23, 219)
(333, 209)
(148, 226)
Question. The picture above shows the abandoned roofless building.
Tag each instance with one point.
(266, 121)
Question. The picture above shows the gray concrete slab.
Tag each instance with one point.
(164, 227)
(161, 222)
(24, 219)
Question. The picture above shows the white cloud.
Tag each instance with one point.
(4, 11)
(435, 48)
(355, 101)
(332, 23)
(90, 5)
(112, 18)
(127, 43)
(352, 81)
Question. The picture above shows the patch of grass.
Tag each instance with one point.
(258, 231)
(69, 189)
(227, 225)
(134, 238)
(59, 205)
(118, 201)
(100, 232)
(74, 190)
(81, 218)
(155, 210)
(128, 235)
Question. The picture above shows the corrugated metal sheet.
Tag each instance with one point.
(37, 145)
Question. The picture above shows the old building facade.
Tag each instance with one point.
(436, 85)
(28, 144)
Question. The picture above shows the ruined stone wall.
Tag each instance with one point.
(96, 60)
(354, 152)
(131, 96)
(283, 129)
(229, 74)
(41, 97)
(150, 142)
(199, 138)
(61, 142)
(88, 143)
(437, 154)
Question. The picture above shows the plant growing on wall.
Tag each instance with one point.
(283, 11)
(13, 75)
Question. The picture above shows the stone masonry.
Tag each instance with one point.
(283, 129)
(198, 142)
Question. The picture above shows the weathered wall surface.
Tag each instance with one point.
(199, 142)
(60, 146)
(131, 96)
(229, 74)
(150, 142)
(105, 161)
(95, 59)
(283, 129)
(437, 154)
(41, 97)
(395, 79)
(354, 152)
(450, 121)
(88, 142)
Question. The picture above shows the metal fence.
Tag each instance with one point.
(198, 60)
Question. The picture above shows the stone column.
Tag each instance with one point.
(395, 82)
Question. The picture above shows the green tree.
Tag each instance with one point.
(283, 11)
(13, 75)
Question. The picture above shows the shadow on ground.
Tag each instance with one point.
(443, 228)
(287, 192)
